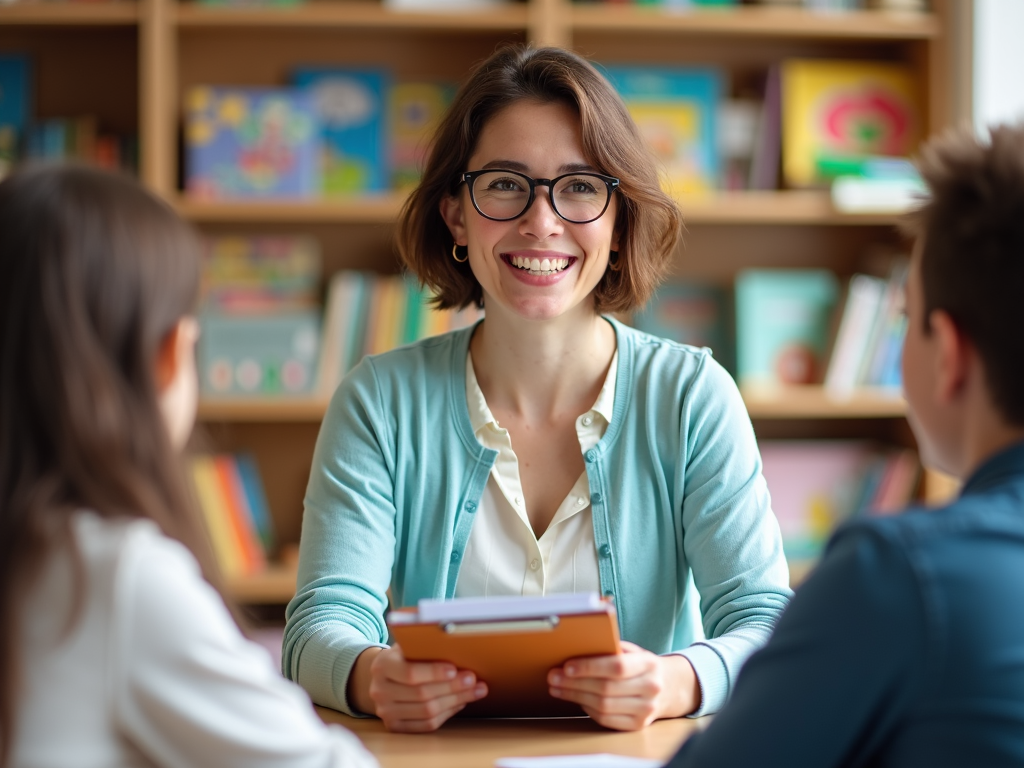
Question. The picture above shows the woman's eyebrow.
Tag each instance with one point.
(515, 165)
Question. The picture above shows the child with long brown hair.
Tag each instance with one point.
(115, 650)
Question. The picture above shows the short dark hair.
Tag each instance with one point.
(649, 221)
(972, 256)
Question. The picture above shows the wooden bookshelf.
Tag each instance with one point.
(783, 208)
(132, 63)
(76, 14)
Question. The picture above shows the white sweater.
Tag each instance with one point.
(153, 670)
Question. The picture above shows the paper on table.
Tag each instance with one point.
(602, 760)
(505, 607)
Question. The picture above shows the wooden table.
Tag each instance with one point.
(478, 743)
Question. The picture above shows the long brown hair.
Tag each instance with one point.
(649, 222)
(94, 273)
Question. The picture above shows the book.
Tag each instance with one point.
(692, 313)
(676, 110)
(865, 295)
(260, 354)
(235, 507)
(252, 485)
(415, 109)
(15, 106)
(352, 111)
(507, 607)
(782, 325)
(764, 161)
(836, 109)
(814, 485)
(245, 143)
(265, 273)
(226, 548)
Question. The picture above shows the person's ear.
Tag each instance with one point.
(954, 356)
(454, 216)
(174, 351)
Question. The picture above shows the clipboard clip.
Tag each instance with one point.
(546, 624)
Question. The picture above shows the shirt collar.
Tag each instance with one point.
(1004, 465)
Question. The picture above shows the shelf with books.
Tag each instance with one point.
(70, 14)
(790, 207)
(814, 402)
(351, 15)
(747, 21)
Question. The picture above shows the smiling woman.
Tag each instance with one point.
(547, 449)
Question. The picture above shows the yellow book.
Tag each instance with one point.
(230, 559)
(840, 110)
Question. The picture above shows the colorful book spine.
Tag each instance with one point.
(226, 549)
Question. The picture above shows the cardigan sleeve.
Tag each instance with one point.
(189, 689)
(347, 546)
(730, 536)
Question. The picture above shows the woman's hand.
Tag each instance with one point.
(628, 691)
(410, 696)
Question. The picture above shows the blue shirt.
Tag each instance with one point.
(676, 491)
(904, 648)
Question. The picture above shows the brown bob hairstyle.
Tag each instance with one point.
(649, 222)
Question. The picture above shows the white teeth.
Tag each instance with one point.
(542, 266)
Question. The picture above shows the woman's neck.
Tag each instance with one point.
(542, 368)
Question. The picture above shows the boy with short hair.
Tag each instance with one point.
(906, 645)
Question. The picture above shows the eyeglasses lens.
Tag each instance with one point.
(503, 195)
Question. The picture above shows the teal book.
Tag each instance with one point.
(783, 321)
(253, 486)
(259, 354)
(694, 313)
(676, 110)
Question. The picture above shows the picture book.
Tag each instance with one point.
(251, 143)
(842, 109)
(865, 295)
(266, 273)
(258, 355)
(351, 106)
(676, 111)
(783, 318)
(814, 485)
(414, 109)
(692, 313)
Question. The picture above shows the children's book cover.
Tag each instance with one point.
(248, 274)
(814, 485)
(415, 111)
(676, 111)
(251, 142)
(352, 108)
(783, 317)
(835, 110)
(692, 313)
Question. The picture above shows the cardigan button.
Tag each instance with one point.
(470, 506)
(605, 550)
(595, 497)
(590, 456)
(455, 556)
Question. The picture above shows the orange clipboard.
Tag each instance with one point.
(513, 656)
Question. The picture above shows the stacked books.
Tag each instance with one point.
(234, 509)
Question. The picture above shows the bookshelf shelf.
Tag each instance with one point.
(813, 402)
(276, 584)
(790, 207)
(791, 23)
(810, 402)
(263, 409)
(70, 14)
(352, 15)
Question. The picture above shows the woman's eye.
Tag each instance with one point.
(505, 185)
(579, 187)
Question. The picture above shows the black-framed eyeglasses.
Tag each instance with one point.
(502, 195)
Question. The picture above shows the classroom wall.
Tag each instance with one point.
(998, 61)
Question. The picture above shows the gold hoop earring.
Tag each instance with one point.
(455, 254)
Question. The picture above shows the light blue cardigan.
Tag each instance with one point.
(675, 485)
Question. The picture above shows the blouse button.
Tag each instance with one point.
(534, 564)
(588, 420)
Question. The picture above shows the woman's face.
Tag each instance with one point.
(541, 140)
